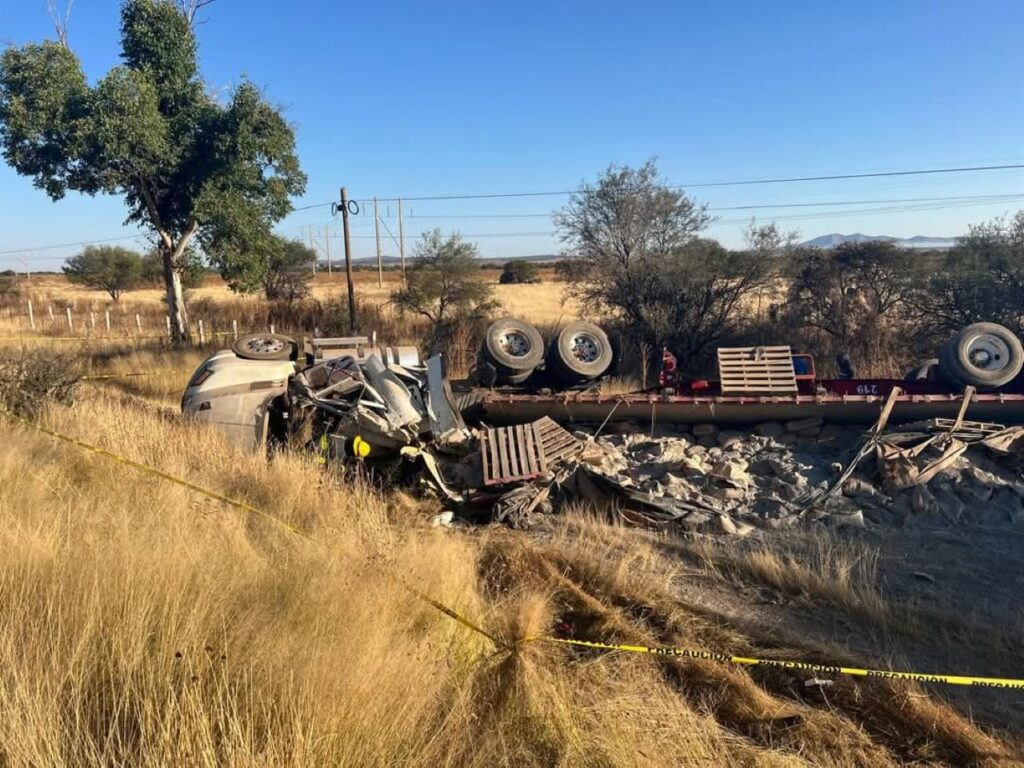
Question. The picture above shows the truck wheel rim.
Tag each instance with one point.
(585, 348)
(264, 344)
(514, 343)
(987, 352)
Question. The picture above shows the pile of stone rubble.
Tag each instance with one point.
(781, 474)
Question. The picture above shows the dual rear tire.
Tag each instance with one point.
(580, 352)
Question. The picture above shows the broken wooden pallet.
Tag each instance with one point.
(523, 451)
(971, 430)
(556, 441)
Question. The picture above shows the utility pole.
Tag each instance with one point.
(376, 231)
(313, 249)
(327, 247)
(348, 263)
(401, 238)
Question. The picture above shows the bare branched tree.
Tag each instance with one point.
(60, 20)
(191, 7)
(637, 258)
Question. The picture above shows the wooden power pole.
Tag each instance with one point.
(376, 231)
(401, 238)
(348, 263)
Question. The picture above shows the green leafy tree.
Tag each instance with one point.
(519, 271)
(188, 167)
(280, 267)
(106, 267)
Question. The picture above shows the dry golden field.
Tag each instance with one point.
(142, 624)
(543, 302)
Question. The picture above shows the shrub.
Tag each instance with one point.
(29, 380)
(443, 286)
(853, 294)
(519, 271)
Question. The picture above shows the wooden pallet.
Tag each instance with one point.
(556, 442)
(767, 370)
(524, 451)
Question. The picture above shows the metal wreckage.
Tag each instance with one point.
(351, 399)
(498, 449)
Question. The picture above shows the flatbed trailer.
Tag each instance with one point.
(848, 401)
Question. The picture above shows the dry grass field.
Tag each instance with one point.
(543, 302)
(143, 624)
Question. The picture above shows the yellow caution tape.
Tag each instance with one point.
(102, 376)
(452, 614)
(664, 651)
(158, 473)
(804, 666)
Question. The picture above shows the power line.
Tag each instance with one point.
(733, 183)
(763, 206)
(953, 201)
(70, 245)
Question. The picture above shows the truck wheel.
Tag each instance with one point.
(265, 346)
(580, 352)
(984, 355)
(923, 371)
(514, 348)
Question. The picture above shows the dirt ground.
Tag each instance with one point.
(954, 595)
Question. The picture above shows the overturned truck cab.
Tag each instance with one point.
(234, 395)
(338, 393)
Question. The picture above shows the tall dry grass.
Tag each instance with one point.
(143, 624)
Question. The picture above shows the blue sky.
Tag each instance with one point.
(415, 98)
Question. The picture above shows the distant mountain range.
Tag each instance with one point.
(918, 241)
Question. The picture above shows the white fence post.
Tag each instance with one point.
(168, 323)
(202, 334)
(51, 314)
(138, 323)
(92, 320)
(106, 316)
(234, 329)
(31, 317)
(71, 325)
